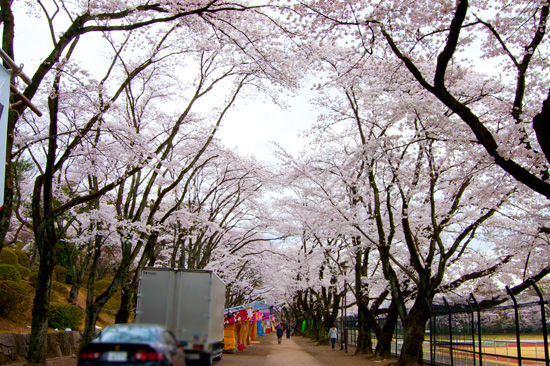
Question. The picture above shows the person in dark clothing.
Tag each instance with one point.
(279, 330)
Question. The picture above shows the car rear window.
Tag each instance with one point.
(128, 335)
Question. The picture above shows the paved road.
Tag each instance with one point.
(267, 352)
(294, 351)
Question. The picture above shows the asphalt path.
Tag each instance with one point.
(265, 351)
(294, 351)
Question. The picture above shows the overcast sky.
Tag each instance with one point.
(253, 125)
(250, 126)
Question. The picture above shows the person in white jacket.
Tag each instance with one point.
(333, 334)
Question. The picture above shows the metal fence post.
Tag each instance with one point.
(472, 322)
(432, 330)
(478, 310)
(450, 329)
(544, 326)
(518, 341)
(396, 339)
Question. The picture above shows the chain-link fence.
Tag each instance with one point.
(463, 334)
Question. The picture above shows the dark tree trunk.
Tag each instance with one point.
(94, 307)
(384, 337)
(414, 326)
(319, 333)
(78, 278)
(92, 314)
(75, 289)
(123, 313)
(128, 296)
(41, 306)
(89, 328)
(364, 339)
(129, 287)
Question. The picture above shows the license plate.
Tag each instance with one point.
(117, 356)
(192, 356)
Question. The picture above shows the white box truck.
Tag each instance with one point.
(188, 302)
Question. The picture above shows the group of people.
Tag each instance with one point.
(280, 328)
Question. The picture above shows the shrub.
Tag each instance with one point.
(24, 271)
(60, 289)
(14, 297)
(23, 258)
(59, 274)
(33, 278)
(9, 272)
(8, 256)
(64, 316)
(102, 285)
(114, 303)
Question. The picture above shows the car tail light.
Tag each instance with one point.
(198, 346)
(89, 355)
(147, 356)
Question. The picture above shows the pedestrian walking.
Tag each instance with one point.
(288, 330)
(333, 334)
(279, 330)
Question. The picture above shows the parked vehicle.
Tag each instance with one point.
(188, 302)
(133, 344)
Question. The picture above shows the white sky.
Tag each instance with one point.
(250, 127)
(253, 125)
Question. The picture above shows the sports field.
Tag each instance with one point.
(495, 349)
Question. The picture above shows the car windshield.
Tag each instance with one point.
(128, 334)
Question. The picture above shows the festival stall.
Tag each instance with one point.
(243, 324)
(236, 333)
(264, 324)
(253, 325)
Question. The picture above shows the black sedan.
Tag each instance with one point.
(133, 344)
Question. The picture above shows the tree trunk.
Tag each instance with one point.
(77, 284)
(75, 289)
(41, 307)
(320, 335)
(384, 337)
(94, 307)
(364, 339)
(92, 314)
(89, 329)
(414, 326)
(123, 313)
(77, 281)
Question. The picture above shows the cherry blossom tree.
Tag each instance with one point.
(520, 146)
(50, 219)
(314, 280)
(80, 106)
(413, 191)
(399, 179)
(435, 44)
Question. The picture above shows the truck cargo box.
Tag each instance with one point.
(188, 302)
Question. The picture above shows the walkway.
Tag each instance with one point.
(267, 352)
(294, 351)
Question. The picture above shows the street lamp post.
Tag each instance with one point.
(345, 317)
(344, 301)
